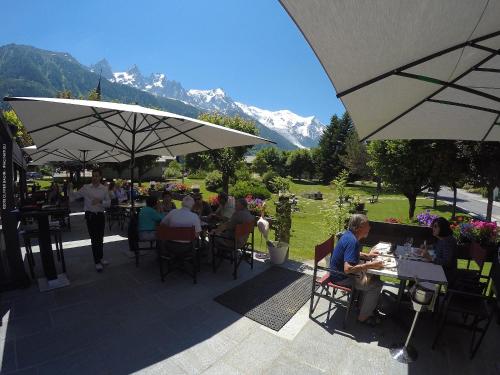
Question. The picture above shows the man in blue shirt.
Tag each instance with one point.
(348, 271)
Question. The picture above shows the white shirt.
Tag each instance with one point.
(182, 217)
(89, 192)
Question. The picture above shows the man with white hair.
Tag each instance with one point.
(349, 271)
(183, 217)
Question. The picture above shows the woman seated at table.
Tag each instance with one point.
(225, 209)
(167, 204)
(149, 218)
(444, 248)
(200, 207)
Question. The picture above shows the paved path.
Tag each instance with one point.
(470, 202)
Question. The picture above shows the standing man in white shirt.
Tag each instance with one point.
(96, 199)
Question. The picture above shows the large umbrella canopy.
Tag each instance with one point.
(410, 69)
(44, 156)
(129, 129)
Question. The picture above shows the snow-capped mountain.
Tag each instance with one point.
(213, 100)
(302, 132)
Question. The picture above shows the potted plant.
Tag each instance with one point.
(278, 249)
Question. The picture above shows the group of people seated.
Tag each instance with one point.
(348, 264)
(191, 213)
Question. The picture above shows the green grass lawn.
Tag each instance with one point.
(308, 228)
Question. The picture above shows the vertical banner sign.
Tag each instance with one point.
(12, 273)
(4, 176)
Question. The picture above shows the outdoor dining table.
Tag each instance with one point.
(409, 266)
(51, 280)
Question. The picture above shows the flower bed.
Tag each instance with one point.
(393, 220)
(482, 232)
(426, 218)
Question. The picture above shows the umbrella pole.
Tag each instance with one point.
(83, 178)
(132, 163)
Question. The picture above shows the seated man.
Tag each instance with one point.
(346, 259)
(149, 218)
(241, 215)
(183, 217)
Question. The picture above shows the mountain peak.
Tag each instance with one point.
(104, 67)
(134, 69)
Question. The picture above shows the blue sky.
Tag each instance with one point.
(251, 49)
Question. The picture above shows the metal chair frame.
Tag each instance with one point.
(323, 287)
(167, 253)
(234, 253)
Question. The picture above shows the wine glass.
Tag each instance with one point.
(408, 245)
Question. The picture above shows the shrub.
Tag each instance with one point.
(254, 188)
(198, 175)
(242, 174)
(278, 184)
(213, 181)
(174, 170)
(268, 177)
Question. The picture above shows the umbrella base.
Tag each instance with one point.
(404, 354)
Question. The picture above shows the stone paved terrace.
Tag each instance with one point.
(126, 321)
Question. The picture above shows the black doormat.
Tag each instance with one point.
(271, 298)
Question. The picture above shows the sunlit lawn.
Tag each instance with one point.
(308, 224)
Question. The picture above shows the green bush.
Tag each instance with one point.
(278, 184)
(254, 188)
(268, 177)
(198, 175)
(173, 170)
(213, 181)
(243, 174)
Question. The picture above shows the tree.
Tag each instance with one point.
(332, 146)
(198, 161)
(405, 165)
(270, 158)
(356, 157)
(226, 159)
(448, 168)
(21, 135)
(65, 94)
(299, 163)
(483, 158)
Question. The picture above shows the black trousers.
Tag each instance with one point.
(95, 226)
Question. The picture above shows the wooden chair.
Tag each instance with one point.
(236, 249)
(177, 254)
(323, 287)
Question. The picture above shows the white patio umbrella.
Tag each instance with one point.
(129, 129)
(410, 69)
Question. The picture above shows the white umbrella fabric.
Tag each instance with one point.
(410, 69)
(44, 156)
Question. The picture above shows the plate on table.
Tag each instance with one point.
(390, 263)
(383, 247)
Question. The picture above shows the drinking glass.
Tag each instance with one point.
(408, 245)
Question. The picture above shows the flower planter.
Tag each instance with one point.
(278, 251)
